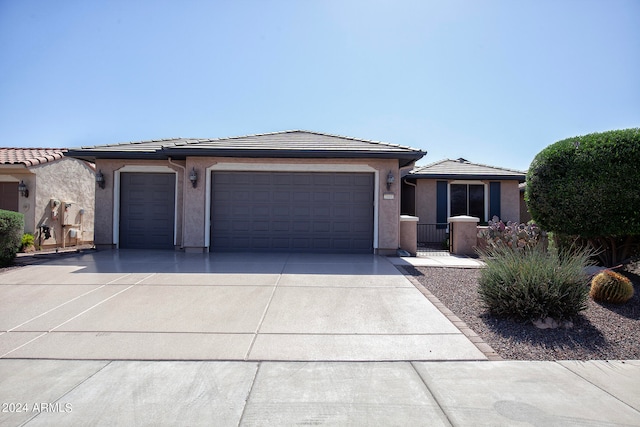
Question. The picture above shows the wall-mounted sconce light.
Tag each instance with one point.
(193, 177)
(100, 179)
(390, 180)
(23, 190)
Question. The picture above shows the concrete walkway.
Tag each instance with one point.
(336, 341)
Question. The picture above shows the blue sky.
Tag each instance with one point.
(492, 81)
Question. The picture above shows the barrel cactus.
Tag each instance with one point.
(609, 286)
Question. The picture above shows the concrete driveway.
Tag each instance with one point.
(150, 305)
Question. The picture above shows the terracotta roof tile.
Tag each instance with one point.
(30, 156)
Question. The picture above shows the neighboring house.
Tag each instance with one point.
(55, 194)
(285, 191)
(449, 188)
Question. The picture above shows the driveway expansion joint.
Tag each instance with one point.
(485, 348)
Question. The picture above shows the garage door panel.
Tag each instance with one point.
(281, 211)
(301, 211)
(292, 211)
(147, 210)
(281, 196)
(321, 226)
(299, 196)
(261, 196)
(280, 226)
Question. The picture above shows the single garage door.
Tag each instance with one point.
(301, 212)
(147, 210)
(9, 196)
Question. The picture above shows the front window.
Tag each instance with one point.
(468, 199)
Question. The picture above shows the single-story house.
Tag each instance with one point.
(285, 191)
(449, 188)
(55, 194)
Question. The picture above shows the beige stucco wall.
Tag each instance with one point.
(510, 201)
(66, 180)
(195, 225)
(426, 201)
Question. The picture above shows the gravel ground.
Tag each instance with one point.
(601, 332)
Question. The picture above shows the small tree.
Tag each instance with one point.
(588, 187)
(11, 229)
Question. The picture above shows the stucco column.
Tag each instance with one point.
(464, 232)
(409, 234)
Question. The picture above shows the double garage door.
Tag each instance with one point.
(257, 211)
(301, 212)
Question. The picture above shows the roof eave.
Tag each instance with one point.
(181, 153)
(274, 153)
(92, 155)
(519, 178)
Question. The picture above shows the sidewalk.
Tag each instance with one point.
(56, 392)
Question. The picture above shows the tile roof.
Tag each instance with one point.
(30, 156)
(293, 143)
(462, 168)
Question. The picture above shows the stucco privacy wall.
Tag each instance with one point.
(66, 180)
(195, 227)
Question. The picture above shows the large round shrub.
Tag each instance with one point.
(11, 229)
(589, 186)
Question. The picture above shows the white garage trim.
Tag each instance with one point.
(116, 196)
(288, 167)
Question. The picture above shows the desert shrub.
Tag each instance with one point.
(587, 187)
(513, 235)
(533, 284)
(27, 241)
(11, 229)
(609, 286)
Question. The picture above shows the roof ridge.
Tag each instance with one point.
(387, 144)
(493, 167)
(430, 164)
(115, 144)
(496, 169)
(34, 148)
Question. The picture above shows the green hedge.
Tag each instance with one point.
(11, 229)
(588, 187)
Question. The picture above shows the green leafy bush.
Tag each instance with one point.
(587, 187)
(11, 229)
(534, 284)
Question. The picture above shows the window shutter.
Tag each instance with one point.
(494, 199)
(441, 200)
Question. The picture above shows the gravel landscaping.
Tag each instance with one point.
(601, 332)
